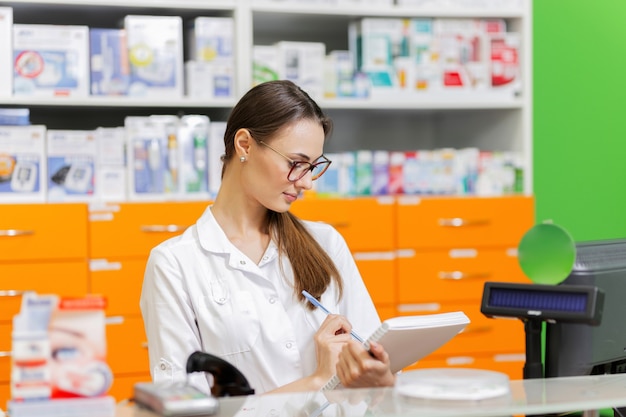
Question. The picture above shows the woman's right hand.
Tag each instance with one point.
(329, 339)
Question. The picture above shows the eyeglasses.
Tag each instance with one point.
(300, 168)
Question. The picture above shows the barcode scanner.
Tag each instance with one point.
(228, 381)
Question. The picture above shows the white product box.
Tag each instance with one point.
(339, 75)
(6, 51)
(424, 73)
(212, 60)
(378, 43)
(22, 164)
(363, 172)
(111, 179)
(504, 52)
(50, 60)
(216, 151)
(264, 63)
(396, 167)
(208, 80)
(168, 127)
(380, 172)
(71, 165)
(193, 137)
(462, 53)
(212, 39)
(155, 52)
(303, 63)
(146, 145)
(110, 74)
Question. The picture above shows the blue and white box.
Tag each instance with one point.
(111, 164)
(6, 51)
(50, 60)
(23, 164)
(303, 63)
(194, 156)
(155, 53)
(110, 73)
(216, 151)
(71, 165)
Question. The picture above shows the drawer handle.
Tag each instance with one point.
(15, 232)
(11, 293)
(144, 345)
(459, 275)
(5, 354)
(460, 222)
(160, 228)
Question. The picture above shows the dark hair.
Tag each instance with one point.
(263, 110)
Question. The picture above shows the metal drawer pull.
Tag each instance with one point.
(15, 232)
(144, 345)
(5, 354)
(460, 222)
(160, 228)
(459, 275)
(11, 293)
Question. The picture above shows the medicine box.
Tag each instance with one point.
(50, 60)
(193, 137)
(264, 63)
(110, 72)
(216, 150)
(211, 43)
(71, 165)
(155, 52)
(110, 164)
(303, 63)
(22, 164)
(6, 51)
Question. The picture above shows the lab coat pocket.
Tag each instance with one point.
(235, 324)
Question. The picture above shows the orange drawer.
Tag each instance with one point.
(126, 345)
(43, 232)
(482, 336)
(463, 221)
(378, 270)
(5, 354)
(120, 282)
(365, 223)
(5, 394)
(60, 278)
(510, 364)
(122, 388)
(453, 275)
(133, 229)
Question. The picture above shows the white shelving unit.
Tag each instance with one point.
(491, 122)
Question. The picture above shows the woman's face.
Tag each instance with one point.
(265, 176)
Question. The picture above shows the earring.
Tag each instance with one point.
(242, 159)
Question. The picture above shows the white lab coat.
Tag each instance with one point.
(201, 293)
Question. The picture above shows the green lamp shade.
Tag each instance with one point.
(547, 254)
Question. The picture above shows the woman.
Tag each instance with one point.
(231, 284)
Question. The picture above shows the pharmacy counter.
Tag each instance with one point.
(535, 396)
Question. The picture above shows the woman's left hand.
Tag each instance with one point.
(357, 368)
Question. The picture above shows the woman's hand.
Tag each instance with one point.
(357, 368)
(329, 339)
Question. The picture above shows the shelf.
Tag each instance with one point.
(94, 101)
(276, 7)
(179, 4)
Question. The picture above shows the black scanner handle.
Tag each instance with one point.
(228, 381)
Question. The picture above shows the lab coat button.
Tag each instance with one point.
(272, 300)
(163, 367)
(242, 262)
(288, 345)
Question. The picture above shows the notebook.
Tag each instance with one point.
(408, 339)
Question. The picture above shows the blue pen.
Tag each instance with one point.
(317, 304)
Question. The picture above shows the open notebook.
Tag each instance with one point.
(408, 339)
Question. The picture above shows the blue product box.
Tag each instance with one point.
(109, 69)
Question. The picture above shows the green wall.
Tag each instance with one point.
(579, 112)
